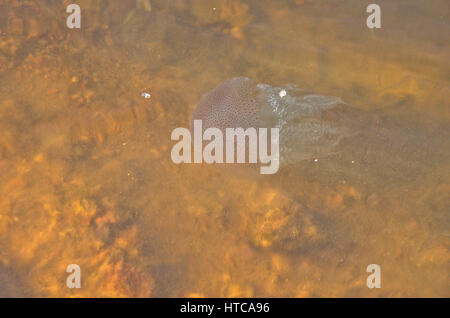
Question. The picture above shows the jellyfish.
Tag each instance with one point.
(304, 132)
(367, 145)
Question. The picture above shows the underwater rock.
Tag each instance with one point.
(277, 221)
(144, 5)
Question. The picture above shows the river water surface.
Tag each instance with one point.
(86, 175)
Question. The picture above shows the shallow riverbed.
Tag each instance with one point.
(86, 175)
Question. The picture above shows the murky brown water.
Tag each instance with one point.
(86, 175)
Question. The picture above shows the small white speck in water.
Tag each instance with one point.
(146, 95)
(353, 161)
(316, 160)
(283, 93)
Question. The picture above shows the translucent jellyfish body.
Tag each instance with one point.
(305, 131)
